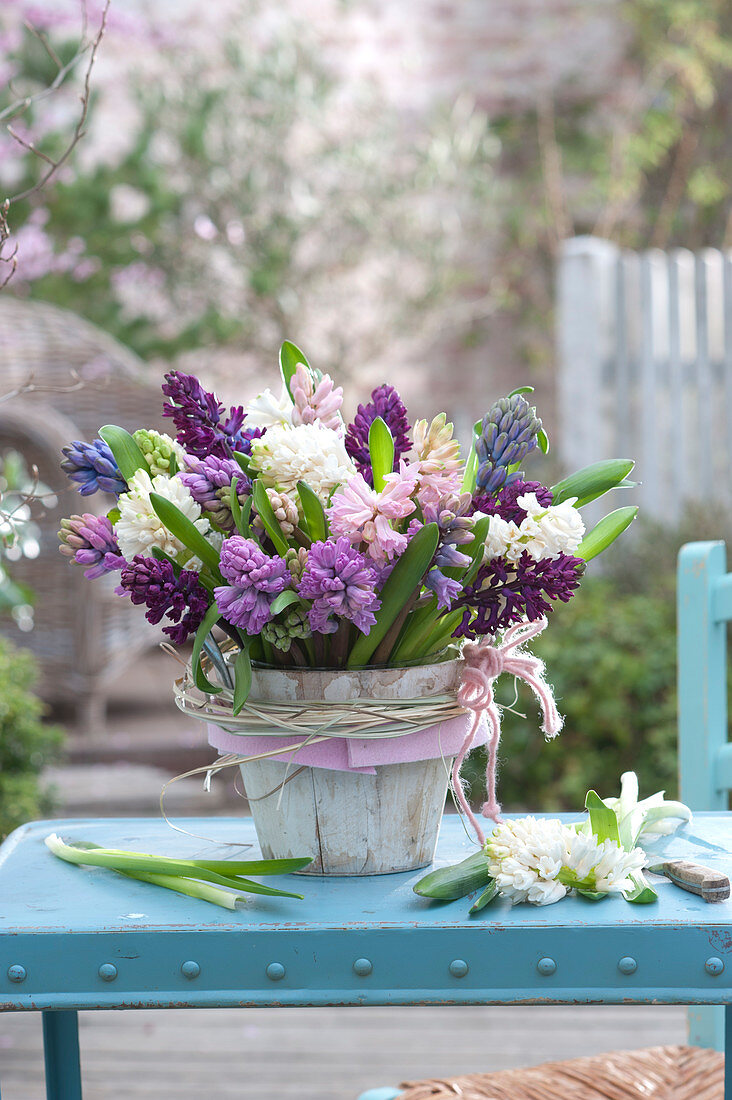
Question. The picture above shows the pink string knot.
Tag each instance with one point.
(483, 664)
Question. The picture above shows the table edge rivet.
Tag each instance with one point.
(17, 973)
(546, 966)
(458, 968)
(627, 965)
(363, 967)
(714, 965)
(107, 972)
(190, 969)
(275, 972)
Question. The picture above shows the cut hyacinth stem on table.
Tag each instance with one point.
(229, 874)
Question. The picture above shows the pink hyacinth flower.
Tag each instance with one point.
(365, 516)
(316, 404)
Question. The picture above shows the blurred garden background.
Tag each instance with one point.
(392, 186)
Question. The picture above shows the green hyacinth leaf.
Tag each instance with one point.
(605, 532)
(285, 599)
(603, 820)
(403, 580)
(182, 528)
(593, 481)
(543, 440)
(450, 883)
(485, 898)
(242, 678)
(127, 454)
(314, 513)
(642, 892)
(381, 452)
(209, 621)
(290, 359)
(266, 514)
(244, 461)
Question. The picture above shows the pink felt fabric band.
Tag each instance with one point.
(351, 754)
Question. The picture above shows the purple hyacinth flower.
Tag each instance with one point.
(254, 581)
(508, 434)
(209, 480)
(447, 589)
(182, 599)
(504, 502)
(90, 540)
(199, 417)
(341, 582)
(386, 403)
(92, 467)
(504, 594)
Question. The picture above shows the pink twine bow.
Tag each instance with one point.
(483, 664)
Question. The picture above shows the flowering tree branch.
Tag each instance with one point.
(88, 48)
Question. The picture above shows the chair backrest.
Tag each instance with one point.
(704, 605)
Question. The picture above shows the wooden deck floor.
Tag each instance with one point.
(318, 1054)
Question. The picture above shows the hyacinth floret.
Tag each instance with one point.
(341, 582)
(455, 529)
(209, 481)
(504, 593)
(367, 517)
(254, 581)
(182, 599)
(504, 502)
(202, 426)
(92, 467)
(316, 403)
(385, 403)
(508, 434)
(293, 624)
(162, 454)
(90, 540)
(434, 446)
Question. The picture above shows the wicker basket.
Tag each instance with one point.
(660, 1073)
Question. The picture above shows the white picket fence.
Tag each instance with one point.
(645, 368)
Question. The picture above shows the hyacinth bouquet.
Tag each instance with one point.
(314, 543)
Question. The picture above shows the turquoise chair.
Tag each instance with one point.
(704, 606)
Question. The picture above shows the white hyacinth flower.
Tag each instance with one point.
(266, 410)
(139, 528)
(647, 819)
(546, 532)
(308, 452)
(538, 860)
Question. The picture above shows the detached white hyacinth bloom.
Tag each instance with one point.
(540, 860)
(649, 818)
(308, 452)
(139, 528)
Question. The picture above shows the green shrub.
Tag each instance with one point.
(26, 742)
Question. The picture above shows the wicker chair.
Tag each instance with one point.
(84, 635)
(659, 1073)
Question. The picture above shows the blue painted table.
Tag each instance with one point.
(73, 938)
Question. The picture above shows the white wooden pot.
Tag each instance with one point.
(349, 822)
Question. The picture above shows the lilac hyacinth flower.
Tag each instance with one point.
(504, 502)
(341, 582)
(182, 599)
(254, 581)
(209, 480)
(504, 594)
(90, 540)
(386, 403)
(508, 434)
(92, 467)
(199, 417)
(456, 529)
